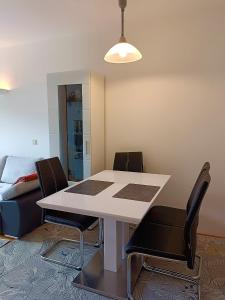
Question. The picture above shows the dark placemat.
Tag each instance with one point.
(138, 192)
(90, 187)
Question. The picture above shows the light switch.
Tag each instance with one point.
(34, 142)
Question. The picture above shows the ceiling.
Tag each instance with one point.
(25, 21)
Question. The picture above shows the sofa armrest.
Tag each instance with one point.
(19, 189)
(21, 214)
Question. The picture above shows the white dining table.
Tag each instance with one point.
(105, 274)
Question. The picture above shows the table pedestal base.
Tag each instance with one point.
(95, 279)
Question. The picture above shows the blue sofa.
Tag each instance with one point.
(19, 213)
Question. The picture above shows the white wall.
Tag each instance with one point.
(24, 111)
(171, 105)
(178, 123)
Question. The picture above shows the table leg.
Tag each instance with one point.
(106, 273)
(116, 235)
(125, 238)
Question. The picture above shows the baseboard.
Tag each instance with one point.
(8, 237)
(211, 235)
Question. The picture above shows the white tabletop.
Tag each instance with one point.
(103, 204)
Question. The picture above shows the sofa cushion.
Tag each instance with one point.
(15, 190)
(2, 165)
(16, 167)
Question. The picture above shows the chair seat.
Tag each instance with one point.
(65, 218)
(165, 215)
(158, 240)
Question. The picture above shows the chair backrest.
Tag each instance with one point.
(128, 161)
(51, 176)
(206, 166)
(191, 224)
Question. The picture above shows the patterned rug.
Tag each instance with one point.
(24, 275)
(3, 242)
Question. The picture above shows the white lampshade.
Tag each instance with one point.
(122, 52)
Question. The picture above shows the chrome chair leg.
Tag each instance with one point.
(93, 226)
(80, 242)
(98, 223)
(100, 233)
(129, 278)
(199, 292)
(192, 279)
(77, 267)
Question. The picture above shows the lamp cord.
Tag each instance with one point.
(122, 22)
(122, 5)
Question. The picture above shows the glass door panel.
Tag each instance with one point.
(71, 126)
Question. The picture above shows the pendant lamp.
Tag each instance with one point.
(122, 52)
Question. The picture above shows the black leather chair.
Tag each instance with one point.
(170, 242)
(166, 215)
(128, 161)
(52, 179)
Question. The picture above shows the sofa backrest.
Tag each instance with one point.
(16, 167)
(2, 165)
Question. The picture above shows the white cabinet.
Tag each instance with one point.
(76, 121)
